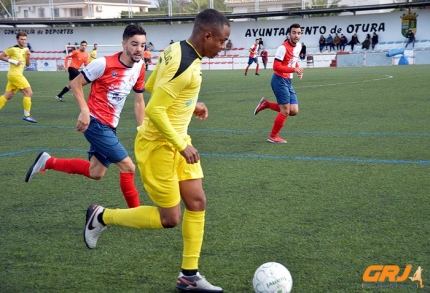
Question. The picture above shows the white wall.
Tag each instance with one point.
(273, 33)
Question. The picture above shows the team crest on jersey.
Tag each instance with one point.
(114, 74)
(409, 22)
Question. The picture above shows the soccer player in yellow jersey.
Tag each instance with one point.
(93, 53)
(169, 164)
(18, 56)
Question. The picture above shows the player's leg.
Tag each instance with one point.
(126, 182)
(45, 161)
(294, 109)
(26, 100)
(73, 72)
(153, 160)
(106, 149)
(8, 94)
(250, 61)
(193, 223)
(281, 90)
(258, 66)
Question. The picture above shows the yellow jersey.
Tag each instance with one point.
(93, 55)
(19, 54)
(174, 86)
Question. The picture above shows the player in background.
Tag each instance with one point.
(147, 57)
(169, 164)
(18, 56)
(93, 53)
(79, 58)
(112, 78)
(285, 64)
(253, 57)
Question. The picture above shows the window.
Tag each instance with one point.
(41, 12)
(56, 12)
(26, 13)
(77, 12)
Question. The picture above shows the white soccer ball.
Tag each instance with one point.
(272, 277)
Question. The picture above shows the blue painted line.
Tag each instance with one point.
(304, 158)
(251, 156)
(361, 133)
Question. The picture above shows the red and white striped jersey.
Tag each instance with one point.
(289, 56)
(112, 81)
(253, 51)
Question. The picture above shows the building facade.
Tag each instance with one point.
(80, 9)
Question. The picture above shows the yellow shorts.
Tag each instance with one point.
(161, 168)
(16, 83)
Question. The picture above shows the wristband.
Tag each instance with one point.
(13, 61)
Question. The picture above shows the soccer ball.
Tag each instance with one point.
(272, 277)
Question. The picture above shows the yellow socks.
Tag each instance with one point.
(26, 103)
(3, 101)
(193, 225)
(143, 217)
(147, 217)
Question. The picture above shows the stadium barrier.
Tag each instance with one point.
(237, 58)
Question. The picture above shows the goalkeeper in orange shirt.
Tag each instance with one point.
(79, 58)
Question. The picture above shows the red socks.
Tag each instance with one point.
(70, 166)
(131, 195)
(274, 106)
(278, 124)
(82, 167)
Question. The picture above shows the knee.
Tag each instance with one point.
(129, 168)
(293, 113)
(197, 204)
(171, 222)
(126, 166)
(96, 176)
(286, 112)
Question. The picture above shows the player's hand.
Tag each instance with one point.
(299, 71)
(190, 154)
(201, 112)
(83, 121)
(28, 54)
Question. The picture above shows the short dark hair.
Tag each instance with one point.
(21, 34)
(131, 30)
(294, 25)
(210, 18)
(84, 42)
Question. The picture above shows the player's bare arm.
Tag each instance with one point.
(139, 108)
(27, 59)
(6, 58)
(77, 86)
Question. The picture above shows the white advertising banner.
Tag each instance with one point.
(46, 65)
(4, 66)
(389, 26)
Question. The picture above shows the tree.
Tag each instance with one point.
(5, 8)
(323, 4)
